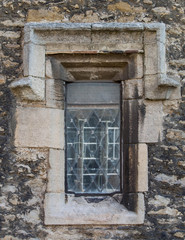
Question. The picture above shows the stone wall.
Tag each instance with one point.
(24, 171)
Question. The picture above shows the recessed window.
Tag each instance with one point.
(93, 138)
(55, 55)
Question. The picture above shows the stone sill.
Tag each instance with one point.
(62, 209)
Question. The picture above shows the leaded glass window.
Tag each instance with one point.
(93, 138)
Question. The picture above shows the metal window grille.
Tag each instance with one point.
(93, 139)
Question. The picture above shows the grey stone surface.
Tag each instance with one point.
(29, 88)
(55, 93)
(136, 66)
(152, 89)
(118, 26)
(73, 211)
(55, 70)
(133, 89)
(55, 26)
(159, 28)
(151, 57)
(150, 122)
(166, 158)
(39, 127)
(161, 58)
(142, 168)
(142, 121)
(168, 81)
(56, 171)
(153, 65)
(34, 60)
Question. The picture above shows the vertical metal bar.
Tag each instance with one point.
(101, 156)
(81, 156)
(122, 140)
(66, 146)
(82, 159)
(107, 154)
(114, 145)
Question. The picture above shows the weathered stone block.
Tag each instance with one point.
(175, 92)
(142, 168)
(154, 91)
(55, 70)
(133, 89)
(29, 88)
(115, 26)
(54, 93)
(159, 28)
(142, 121)
(62, 209)
(67, 47)
(161, 60)
(155, 53)
(166, 81)
(151, 58)
(49, 72)
(63, 36)
(56, 171)
(130, 168)
(39, 127)
(28, 34)
(34, 60)
(117, 37)
(150, 122)
(150, 37)
(135, 202)
(130, 119)
(137, 70)
(136, 168)
(116, 46)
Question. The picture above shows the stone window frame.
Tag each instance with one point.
(147, 74)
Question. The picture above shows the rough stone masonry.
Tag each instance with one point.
(23, 175)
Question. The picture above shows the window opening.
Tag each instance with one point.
(93, 138)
